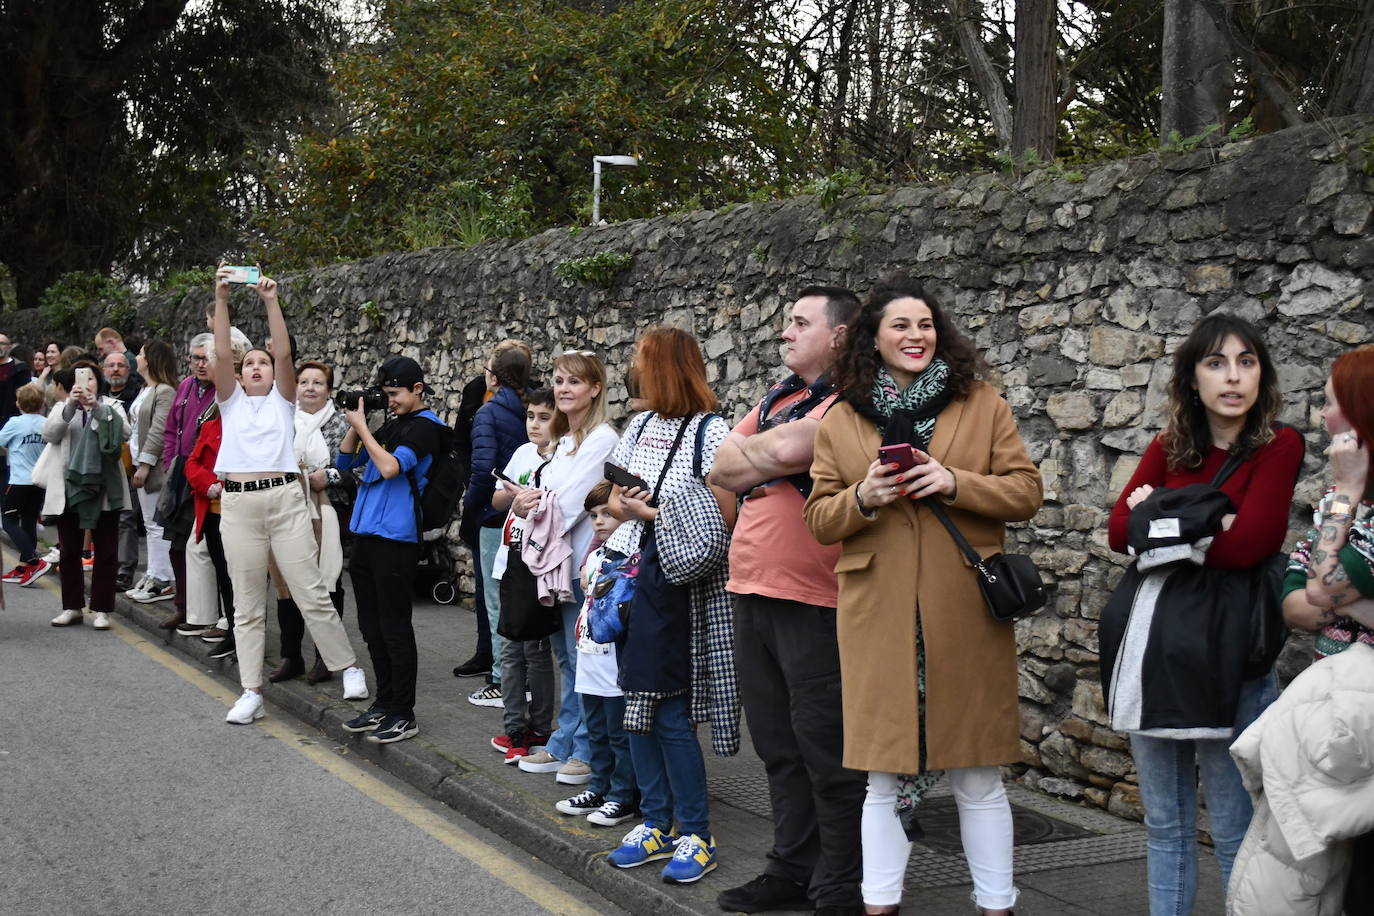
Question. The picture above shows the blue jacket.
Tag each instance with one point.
(385, 507)
(498, 430)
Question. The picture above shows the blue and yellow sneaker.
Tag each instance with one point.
(694, 858)
(640, 845)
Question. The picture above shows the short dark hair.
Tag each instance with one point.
(512, 369)
(841, 305)
(598, 495)
(541, 397)
(858, 362)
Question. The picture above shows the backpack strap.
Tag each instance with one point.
(697, 458)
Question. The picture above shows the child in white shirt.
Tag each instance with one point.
(611, 796)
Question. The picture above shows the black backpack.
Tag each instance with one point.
(436, 506)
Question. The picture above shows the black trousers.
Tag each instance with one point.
(383, 573)
(214, 545)
(788, 663)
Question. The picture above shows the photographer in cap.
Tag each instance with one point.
(386, 528)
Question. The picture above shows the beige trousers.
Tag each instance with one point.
(276, 522)
(202, 597)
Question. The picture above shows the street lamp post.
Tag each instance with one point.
(597, 162)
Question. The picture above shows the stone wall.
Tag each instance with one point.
(1077, 292)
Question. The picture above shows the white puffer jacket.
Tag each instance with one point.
(1308, 762)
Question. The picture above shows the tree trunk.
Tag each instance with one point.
(1196, 71)
(1035, 117)
(1354, 94)
(985, 76)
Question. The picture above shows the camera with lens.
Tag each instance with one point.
(373, 398)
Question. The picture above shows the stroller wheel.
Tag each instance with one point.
(443, 592)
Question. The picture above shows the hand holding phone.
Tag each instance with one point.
(243, 276)
(618, 475)
(85, 383)
(903, 456)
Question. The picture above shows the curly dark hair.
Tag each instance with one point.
(1187, 436)
(858, 361)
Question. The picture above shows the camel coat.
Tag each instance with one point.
(903, 562)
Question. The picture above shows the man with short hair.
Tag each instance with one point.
(125, 384)
(386, 526)
(786, 654)
(13, 376)
(124, 387)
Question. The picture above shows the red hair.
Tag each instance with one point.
(1352, 381)
(672, 374)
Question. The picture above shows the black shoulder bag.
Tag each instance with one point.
(1010, 582)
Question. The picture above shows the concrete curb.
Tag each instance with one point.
(523, 820)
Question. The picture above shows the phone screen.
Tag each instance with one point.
(85, 379)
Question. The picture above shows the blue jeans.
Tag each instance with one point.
(671, 771)
(608, 749)
(1168, 789)
(489, 543)
(569, 741)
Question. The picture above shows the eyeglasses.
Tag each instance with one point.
(197, 359)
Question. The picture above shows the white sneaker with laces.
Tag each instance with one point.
(101, 621)
(140, 587)
(246, 709)
(67, 618)
(354, 684)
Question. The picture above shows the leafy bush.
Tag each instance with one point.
(600, 268)
(183, 281)
(68, 298)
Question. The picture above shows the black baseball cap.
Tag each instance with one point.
(400, 372)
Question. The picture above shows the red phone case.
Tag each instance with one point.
(900, 455)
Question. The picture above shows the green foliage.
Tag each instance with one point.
(181, 282)
(66, 300)
(836, 185)
(600, 268)
(759, 254)
(372, 312)
(473, 119)
(1030, 161)
(1175, 143)
(121, 315)
(1242, 129)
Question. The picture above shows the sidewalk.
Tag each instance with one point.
(1069, 859)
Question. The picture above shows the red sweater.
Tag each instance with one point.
(200, 469)
(1261, 488)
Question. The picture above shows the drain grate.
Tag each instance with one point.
(939, 819)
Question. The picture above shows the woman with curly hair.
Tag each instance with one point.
(921, 664)
(1223, 399)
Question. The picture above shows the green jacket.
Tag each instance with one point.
(94, 470)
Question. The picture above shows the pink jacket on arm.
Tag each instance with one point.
(547, 551)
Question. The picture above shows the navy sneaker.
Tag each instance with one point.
(640, 845)
(393, 729)
(365, 722)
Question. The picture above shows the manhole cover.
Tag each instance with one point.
(939, 819)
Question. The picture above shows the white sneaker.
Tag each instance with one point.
(355, 684)
(101, 621)
(246, 709)
(68, 618)
(54, 555)
(140, 587)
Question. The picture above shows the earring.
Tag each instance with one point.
(1197, 398)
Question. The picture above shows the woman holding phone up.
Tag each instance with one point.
(263, 508)
(921, 663)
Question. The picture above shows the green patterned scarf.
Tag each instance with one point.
(916, 406)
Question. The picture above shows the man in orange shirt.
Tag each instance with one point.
(786, 655)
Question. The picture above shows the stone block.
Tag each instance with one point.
(1034, 721)
(1071, 410)
(1063, 788)
(1136, 376)
(1088, 703)
(1127, 308)
(1083, 518)
(1123, 408)
(1351, 214)
(1102, 379)
(1329, 180)
(1059, 755)
(1208, 278)
(1040, 317)
(1113, 347)
(1061, 678)
(1125, 802)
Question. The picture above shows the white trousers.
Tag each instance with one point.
(159, 550)
(984, 827)
(276, 522)
(202, 592)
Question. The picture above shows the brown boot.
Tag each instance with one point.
(319, 673)
(288, 669)
(171, 623)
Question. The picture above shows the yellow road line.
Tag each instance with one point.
(501, 867)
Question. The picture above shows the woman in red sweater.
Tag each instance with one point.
(205, 489)
(1223, 398)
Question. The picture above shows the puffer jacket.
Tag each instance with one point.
(1308, 762)
(498, 430)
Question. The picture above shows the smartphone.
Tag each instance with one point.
(85, 379)
(901, 455)
(496, 472)
(618, 475)
(247, 276)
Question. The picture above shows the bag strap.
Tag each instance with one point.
(697, 458)
(960, 541)
(662, 475)
(1234, 461)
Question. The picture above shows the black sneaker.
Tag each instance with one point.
(583, 803)
(477, 665)
(222, 649)
(766, 892)
(365, 722)
(392, 729)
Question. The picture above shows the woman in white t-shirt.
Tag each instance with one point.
(585, 441)
(263, 506)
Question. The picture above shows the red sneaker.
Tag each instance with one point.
(502, 743)
(15, 576)
(32, 571)
(516, 750)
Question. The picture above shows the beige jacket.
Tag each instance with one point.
(1308, 762)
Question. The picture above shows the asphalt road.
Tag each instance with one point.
(123, 791)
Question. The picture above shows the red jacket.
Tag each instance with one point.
(200, 468)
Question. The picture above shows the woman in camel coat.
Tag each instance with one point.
(908, 600)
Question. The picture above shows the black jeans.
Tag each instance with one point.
(383, 573)
(214, 545)
(788, 663)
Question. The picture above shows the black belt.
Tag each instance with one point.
(266, 483)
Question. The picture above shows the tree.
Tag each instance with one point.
(134, 134)
(1197, 71)
(1035, 117)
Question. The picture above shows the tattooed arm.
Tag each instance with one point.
(1328, 584)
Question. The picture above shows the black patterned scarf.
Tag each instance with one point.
(908, 415)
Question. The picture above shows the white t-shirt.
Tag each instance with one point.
(520, 469)
(645, 459)
(597, 667)
(259, 433)
(572, 478)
